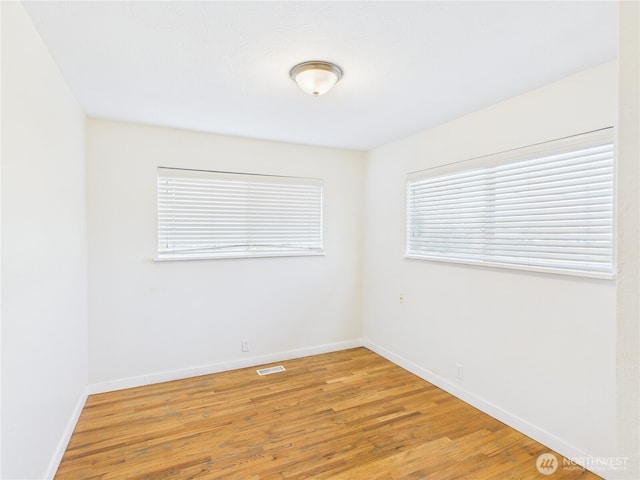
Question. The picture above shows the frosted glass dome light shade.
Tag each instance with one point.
(316, 77)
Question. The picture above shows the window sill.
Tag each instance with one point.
(554, 271)
(236, 256)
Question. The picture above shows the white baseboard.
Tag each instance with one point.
(538, 434)
(160, 377)
(64, 440)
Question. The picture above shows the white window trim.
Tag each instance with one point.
(552, 147)
(261, 179)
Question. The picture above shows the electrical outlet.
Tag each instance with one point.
(401, 298)
(459, 372)
(245, 345)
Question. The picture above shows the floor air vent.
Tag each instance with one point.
(270, 370)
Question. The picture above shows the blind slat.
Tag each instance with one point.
(217, 215)
(551, 211)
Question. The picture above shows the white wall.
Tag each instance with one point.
(628, 277)
(148, 317)
(538, 350)
(44, 256)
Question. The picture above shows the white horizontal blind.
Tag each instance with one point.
(550, 210)
(216, 215)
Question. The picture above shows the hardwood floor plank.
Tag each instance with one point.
(343, 415)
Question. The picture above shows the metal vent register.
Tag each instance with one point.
(270, 370)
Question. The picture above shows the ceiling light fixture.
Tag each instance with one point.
(316, 77)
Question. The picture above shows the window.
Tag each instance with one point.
(548, 207)
(204, 214)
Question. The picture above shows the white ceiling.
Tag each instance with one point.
(224, 66)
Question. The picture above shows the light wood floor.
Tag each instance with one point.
(347, 415)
